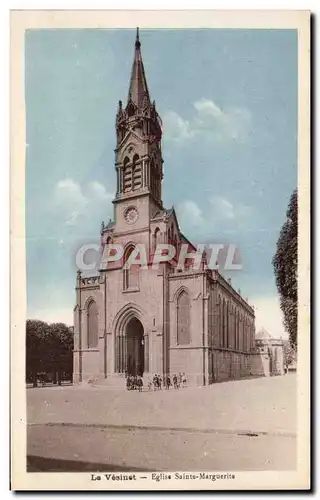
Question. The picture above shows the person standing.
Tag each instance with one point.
(184, 380)
(155, 382)
(139, 383)
(175, 381)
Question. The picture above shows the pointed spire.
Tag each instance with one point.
(138, 89)
(138, 44)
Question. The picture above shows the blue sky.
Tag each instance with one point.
(228, 101)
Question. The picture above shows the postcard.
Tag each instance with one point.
(160, 331)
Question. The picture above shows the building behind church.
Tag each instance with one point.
(166, 320)
(271, 352)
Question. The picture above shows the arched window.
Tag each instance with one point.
(227, 323)
(127, 175)
(175, 243)
(210, 319)
(220, 322)
(246, 333)
(183, 319)
(230, 327)
(225, 332)
(155, 239)
(92, 324)
(131, 109)
(130, 275)
(241, 340)
(217, 334)
(136, 172)
(152, 175)
(235, 329)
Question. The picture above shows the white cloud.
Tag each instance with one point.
(230, 124)
(98, 191)
(74, 201)
(220, 210)
(69, 192)
(225, 124)
(176, 128)
(269, 315)
(223, 209)
(190, 214)
(205, 107)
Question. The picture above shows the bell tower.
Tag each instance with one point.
(138, 157)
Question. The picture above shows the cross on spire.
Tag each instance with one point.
(137, 38)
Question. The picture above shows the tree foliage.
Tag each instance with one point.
(289, 353)
(285, 263)
(48, 351)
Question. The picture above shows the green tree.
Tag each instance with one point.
(289, 353)
(285, 263)
(36, 335)
(48, 350)
(61, 350)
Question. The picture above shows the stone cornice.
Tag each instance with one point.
(91, 287)
(129, 196)
(184, 275)
(144, 229)
(138, 194)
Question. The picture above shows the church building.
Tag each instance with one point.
(149, 321)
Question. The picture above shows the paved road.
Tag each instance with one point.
(97, 448)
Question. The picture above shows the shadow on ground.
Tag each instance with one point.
(41, 464)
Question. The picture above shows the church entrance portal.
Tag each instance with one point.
(135, 347)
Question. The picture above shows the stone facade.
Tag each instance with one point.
(166, 320)
(269, 360)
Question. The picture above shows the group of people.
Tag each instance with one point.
(177, 381)
(135, 382)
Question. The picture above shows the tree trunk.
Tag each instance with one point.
(35, 383)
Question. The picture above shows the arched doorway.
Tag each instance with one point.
(135, 347)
